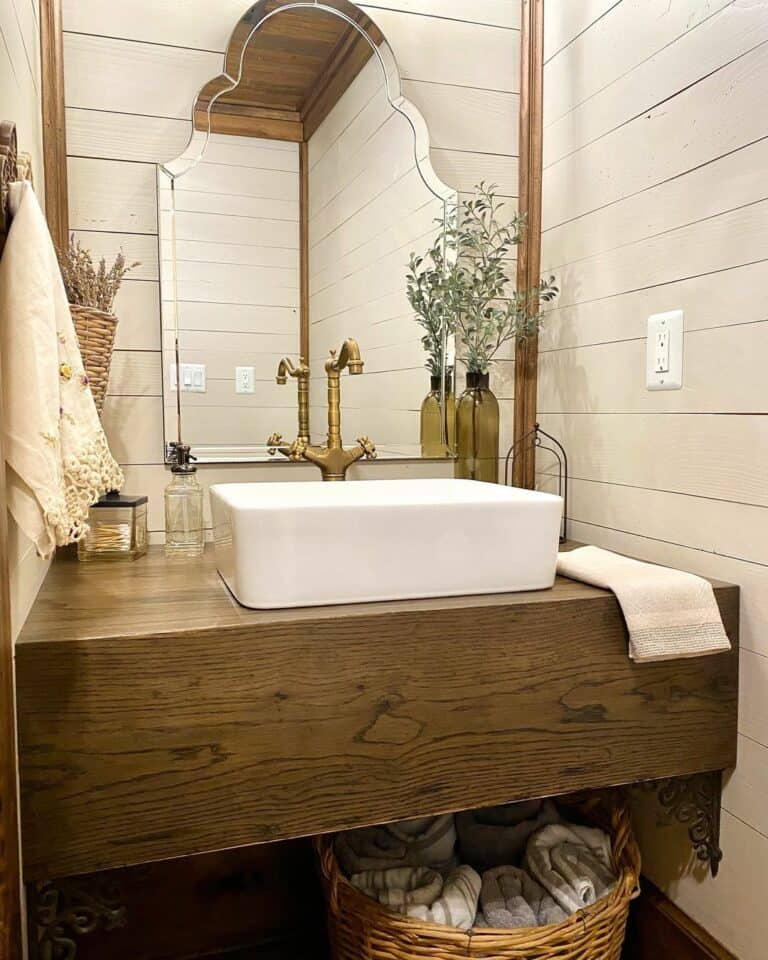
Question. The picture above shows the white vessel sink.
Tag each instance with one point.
(309, 544)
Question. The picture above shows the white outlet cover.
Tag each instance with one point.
(665, 350)
(245, 379)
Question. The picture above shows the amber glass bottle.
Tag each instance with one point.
(434, 441)
(477, 431)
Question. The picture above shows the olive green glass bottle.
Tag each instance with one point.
(436, 442)
(477, 431)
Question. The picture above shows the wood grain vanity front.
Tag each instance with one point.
(159, 719)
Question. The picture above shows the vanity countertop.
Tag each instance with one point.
(157, 718)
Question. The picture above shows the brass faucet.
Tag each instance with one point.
(332, 459)
(300, 373)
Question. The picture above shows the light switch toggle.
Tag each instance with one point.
(664, 354)
(192, 377)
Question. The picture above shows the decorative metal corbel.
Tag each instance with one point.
(695, 802)
(65, 910)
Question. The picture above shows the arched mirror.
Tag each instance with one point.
(287, 227)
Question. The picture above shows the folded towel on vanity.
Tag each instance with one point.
(422, 894)
(424, 842)
(572, 863)
(510, 898)
(669, 613)
(58, 459)
(496, 836)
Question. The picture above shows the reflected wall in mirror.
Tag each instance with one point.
(287, 226)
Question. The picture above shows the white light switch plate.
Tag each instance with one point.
(192, 377)
(664, 354)
(244, 380)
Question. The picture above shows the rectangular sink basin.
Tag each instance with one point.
(310, 544)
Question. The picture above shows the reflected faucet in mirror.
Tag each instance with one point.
(332, 459)
(301, 373)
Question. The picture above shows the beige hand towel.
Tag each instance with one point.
(58, 459)
(669, 613)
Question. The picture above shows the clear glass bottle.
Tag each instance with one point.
(436, 440)
(184, 536)
(477, 431)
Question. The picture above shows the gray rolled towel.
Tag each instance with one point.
(425, 842)
(497, 836)
(510, 898)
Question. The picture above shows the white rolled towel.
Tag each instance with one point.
(572, 863)
(422, 894)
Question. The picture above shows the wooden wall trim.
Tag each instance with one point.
(54, 121)
(658, 928)
(10, 866)
(529, 252)
(304, 250)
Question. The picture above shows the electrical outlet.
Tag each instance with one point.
(664, 353)
(244, 379)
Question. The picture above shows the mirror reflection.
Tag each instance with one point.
(287, 230)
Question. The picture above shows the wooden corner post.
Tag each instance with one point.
(529, 252)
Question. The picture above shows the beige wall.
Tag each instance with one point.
(656, 198)
(132, 71)
(20, 102)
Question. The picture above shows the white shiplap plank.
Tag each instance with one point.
(714, 300)
(134, 428)
(610, 377)
(465, 171)
(566, 20)
(135, 78)
(135, 373)
(617, 46)
(137, 247)
(703, 459)
(446, 51)
(693, 127)
(718, 243)
(137, 307)
(125, 136)
(112, 195)
(721, 527)
(733, 181)
(197, 24)
(497, 13)
(489, 120)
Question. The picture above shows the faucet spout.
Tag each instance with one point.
(349, 356)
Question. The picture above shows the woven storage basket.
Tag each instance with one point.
(96, 335)
(361, 929)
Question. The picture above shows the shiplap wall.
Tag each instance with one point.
(656, 198)
(237, 273)
(368, 210)
(132, 71)
(20, 103)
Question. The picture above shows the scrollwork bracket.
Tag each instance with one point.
(695, 802)
(68, 909)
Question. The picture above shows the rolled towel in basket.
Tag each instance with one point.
(669, 614)
(422, 894)
(497, 836)
(572, 863)
(424, 842)
(510, 898)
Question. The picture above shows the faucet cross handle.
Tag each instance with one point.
(369, 447)
(296, 451)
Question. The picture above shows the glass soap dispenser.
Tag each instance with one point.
(183, 507)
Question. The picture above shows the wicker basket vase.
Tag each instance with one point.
(96, 335)
(361, 929)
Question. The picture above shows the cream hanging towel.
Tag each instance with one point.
(57, 455)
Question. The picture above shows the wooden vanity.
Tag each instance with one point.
(160, 719)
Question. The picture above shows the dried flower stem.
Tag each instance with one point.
(88, 285)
